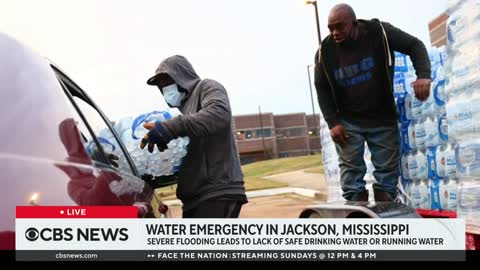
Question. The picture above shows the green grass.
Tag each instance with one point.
(255, 173)
(257, 183)
(276, 166)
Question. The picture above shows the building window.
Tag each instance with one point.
(240, 135)
(266, 133)
(253, 134)
(291, 132)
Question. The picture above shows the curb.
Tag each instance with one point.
(274, 192)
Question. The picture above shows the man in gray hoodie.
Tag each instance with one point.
(210, 181)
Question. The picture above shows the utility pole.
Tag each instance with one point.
(263, 135)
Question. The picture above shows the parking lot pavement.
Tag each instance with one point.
(278, 206)
(302, 179)
(274, 205)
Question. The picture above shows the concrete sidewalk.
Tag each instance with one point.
(304, 189)
(303, 179)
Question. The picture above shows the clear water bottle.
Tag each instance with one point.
(420, 195)
(132, 131)
(404, 167)
(401, 64)
(403, 103)
(463, 23)
(468, 201)
(420, 134)
(435, 58)
(429, 106)
(123, 129)
(425, 195)
(446, 161)
(468, 158)
(460, 117)
(431, 161)
(474, 107)
(408, 136)
(448, 194)
(407, 107)
(443, 54)
(434, 186)
(432, 136)
(417, 106)
(443, 128)
(422, 169)
(108, 147)
(138, 131)
(399, 83)
(412, 166)
(435, 103)
(416, 194)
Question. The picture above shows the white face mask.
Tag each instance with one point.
(172, 96)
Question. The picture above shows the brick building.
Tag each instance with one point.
(438, 30)
(275, 136)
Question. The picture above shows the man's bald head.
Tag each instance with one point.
(343, 10)
(341, 21)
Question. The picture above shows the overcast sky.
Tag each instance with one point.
(258, 49)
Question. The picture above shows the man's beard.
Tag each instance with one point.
(348, 43)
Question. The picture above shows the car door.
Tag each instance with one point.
(108, 153)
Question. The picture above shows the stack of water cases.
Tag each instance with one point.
(428, 163)
(131, 131)
(428, 159)
(463, 105)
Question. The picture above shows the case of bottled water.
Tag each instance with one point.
(131, 131)
(425, 133)
(448, 194)
(462, 76)
(440, 137)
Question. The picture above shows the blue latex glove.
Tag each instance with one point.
(158, 135)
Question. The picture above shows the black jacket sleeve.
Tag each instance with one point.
(412, 46)
(325, 94)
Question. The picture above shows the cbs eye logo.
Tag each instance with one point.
(32, 234)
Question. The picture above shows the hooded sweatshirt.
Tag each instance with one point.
(211, 168)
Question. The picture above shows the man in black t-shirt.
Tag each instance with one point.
(354, 81)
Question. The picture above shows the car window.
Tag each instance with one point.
(114, 156)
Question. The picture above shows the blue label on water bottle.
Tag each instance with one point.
(399, 83)
(404, 167)
(455, 29)
(401, 64)
(106, 144)
(144, 118)
(431, 160)
(408, 136)
(443, 128)
(417, 107)
(401, 107)
(439, 93)
(435, 194)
